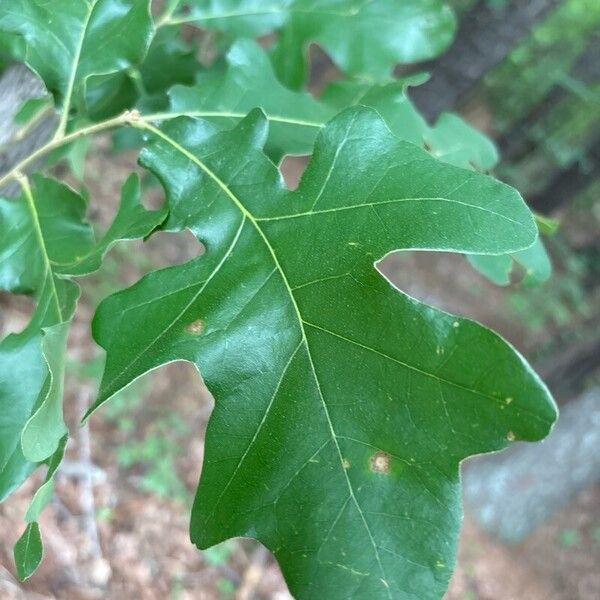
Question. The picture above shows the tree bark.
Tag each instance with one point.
(18, 84)
(485, 36)
(513, 492)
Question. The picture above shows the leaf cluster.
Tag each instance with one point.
(343, 406)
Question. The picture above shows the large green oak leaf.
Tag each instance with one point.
(343, 407)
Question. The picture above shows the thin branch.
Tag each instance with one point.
(86, 497)
(131, 117)
(123, 119)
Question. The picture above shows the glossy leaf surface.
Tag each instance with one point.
(343, 407)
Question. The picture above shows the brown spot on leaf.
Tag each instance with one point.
(380, 462)
(510, 436)
(195, 327)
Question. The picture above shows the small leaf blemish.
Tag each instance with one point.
(346, 464)
(380, 462)
(195, 327)
(510, 436)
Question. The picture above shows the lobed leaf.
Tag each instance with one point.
(46, 239)
(296, 118)
(225, 97)
(249, 82)
(343, 406)
(363, 37)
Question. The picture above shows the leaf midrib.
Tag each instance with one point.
(48, 272)
(248, 215)
(74, 68)
(223, 114)
(393, 201)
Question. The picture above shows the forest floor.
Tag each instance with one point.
(147, 456)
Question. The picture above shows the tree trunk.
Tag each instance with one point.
(512, 492)
(18, 84)
(486, 35)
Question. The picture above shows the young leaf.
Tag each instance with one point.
(44, 227)
(47, 239)
(363, 37)
(28, 551)
(343, 407)
(69, 42)
(47, 228)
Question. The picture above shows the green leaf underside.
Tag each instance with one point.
(534, 261)
(343, 407)
(70, 41)
(363, 37)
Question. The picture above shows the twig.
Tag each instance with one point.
(86, 497)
